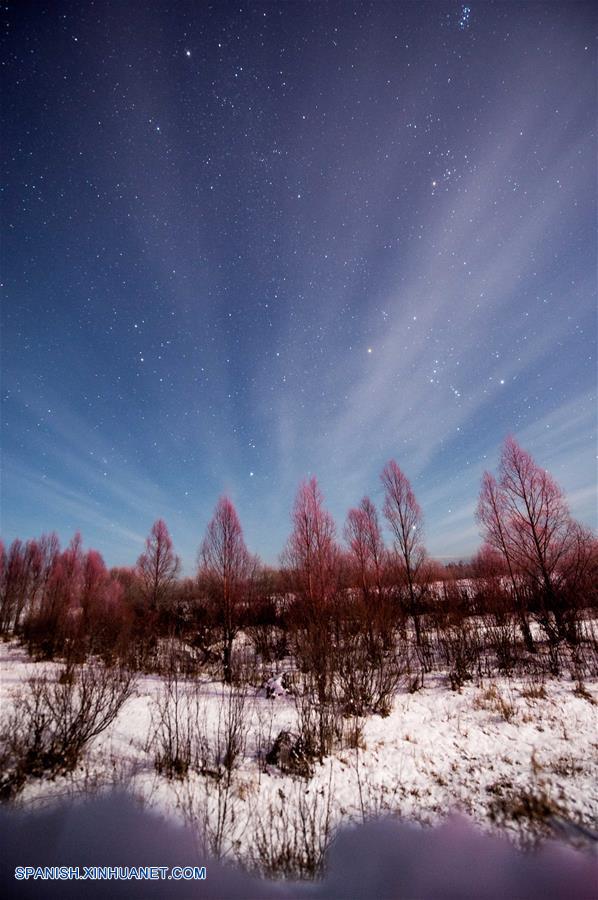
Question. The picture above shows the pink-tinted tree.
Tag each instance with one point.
(43, 554)
(142, 624)
(581, 563)
(158, 566)
(53, 624)
(491, 581)
(105, 620)
(404, 516)
(14, 575)
(311, 553)
(224, 568)
(49, 546)
(493, 517)
(312, 563)
(524, 515)
(95, 581)
(21, 582)
(539, 524)
(366, 546)
(94, 577)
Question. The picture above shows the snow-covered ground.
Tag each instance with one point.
(478, 752)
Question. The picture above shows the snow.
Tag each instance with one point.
(438, 752)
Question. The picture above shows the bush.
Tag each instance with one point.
(461, 647)
(172, 737)
(292, 838)
(368, 675)
(53, 722)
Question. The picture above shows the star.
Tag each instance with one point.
(255, 243)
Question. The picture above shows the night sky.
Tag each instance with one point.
(246, 243)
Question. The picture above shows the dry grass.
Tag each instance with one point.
(491, 699)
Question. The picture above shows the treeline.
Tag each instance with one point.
(535, 573)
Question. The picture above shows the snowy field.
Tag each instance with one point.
(510, 757)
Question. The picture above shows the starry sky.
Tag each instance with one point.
(247, 243)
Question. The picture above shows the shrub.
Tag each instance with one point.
(172, 737)
(54, 721)
(292, 838)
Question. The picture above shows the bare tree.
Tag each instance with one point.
(492, 515)
(14, 578)
(525, 517)
(404, 516)
(312, 559)
(311, 552)
(374, 617)
(224, 567)
(159, 566)
(51, 626)
(20, 578)
(104, 622)
(366, 546)
(580, 568)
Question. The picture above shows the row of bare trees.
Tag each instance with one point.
(59, 600)
(537, 565)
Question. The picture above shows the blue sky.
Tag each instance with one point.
(258, 242)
